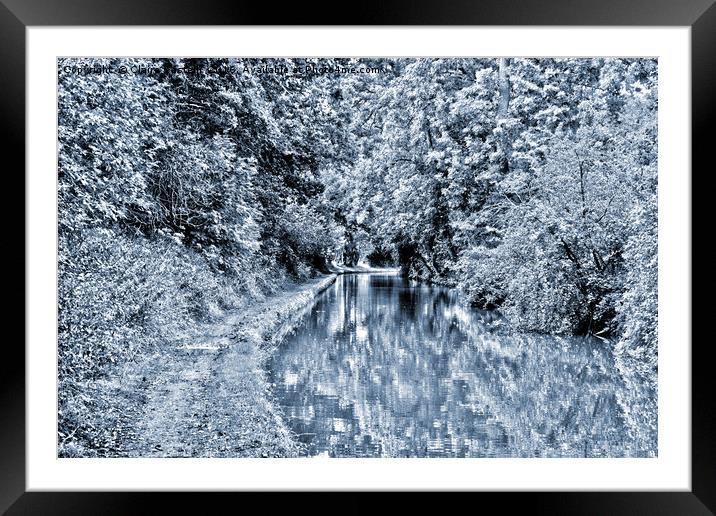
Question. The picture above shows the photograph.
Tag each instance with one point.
(357, 257)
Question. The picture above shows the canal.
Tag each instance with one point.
(382, 366)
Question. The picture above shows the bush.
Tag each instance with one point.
(120, 298)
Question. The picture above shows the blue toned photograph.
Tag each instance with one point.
(357, 257)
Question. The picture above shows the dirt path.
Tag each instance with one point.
(209, 397)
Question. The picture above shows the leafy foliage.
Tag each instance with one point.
(530, 184)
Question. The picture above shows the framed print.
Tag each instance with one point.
(440, 249)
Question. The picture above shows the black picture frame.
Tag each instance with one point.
(17, 15)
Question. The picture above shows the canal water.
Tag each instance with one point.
(382, 366)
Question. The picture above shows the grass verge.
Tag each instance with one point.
(202, 396)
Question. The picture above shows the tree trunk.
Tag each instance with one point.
(503, 107)
(350, 249)
(503, 78)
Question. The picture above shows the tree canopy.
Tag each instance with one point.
(195, 185)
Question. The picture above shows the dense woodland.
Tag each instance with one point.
(528, 184)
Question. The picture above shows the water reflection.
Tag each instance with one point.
(386, 367)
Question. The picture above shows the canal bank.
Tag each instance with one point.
(209, 397)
